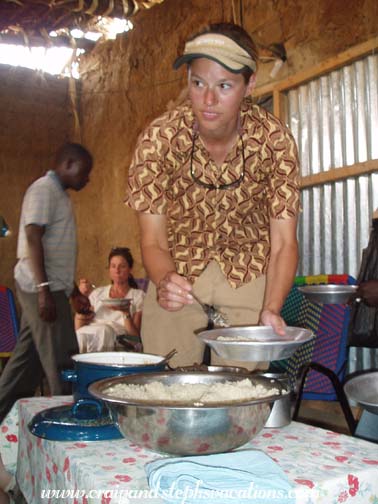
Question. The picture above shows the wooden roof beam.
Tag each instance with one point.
(36, 41)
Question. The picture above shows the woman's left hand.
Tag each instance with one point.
(269, 318)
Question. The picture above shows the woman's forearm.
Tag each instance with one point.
(280, 277)
(132, 323)
(157, 262)
(172, 289)
(157, 259)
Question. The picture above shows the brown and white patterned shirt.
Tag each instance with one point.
(231, 225)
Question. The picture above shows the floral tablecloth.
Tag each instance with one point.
(9, 440)
(324, 467)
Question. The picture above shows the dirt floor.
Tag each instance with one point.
(325, 414)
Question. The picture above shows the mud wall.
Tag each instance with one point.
(34, 121)
(128, 82)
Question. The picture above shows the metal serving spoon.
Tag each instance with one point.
(215, 317)
(170, 354)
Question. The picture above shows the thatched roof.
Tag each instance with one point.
(28, 19)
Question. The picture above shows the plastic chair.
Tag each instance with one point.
(9, 325)
(317, 370)
(142, 283)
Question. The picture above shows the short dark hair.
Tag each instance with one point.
(73, 152)
(240, 36)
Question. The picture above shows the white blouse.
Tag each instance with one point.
(114, 317)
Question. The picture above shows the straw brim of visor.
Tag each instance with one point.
(228, 63)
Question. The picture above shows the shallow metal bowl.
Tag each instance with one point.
(116, 302)
(186, 429)
(328, 294)
(363, 389)
(203, 368)
(260, 343)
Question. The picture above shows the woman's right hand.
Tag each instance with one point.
(85, 286)
(173, 292)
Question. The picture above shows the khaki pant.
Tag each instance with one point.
(41, 348)
(163, 330)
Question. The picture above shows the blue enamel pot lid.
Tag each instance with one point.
(82, 421)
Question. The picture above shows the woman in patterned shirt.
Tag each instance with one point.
(215, 185)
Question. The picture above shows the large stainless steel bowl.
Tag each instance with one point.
(363, 389)
(328, 294)
(257, 343)
(182, 428)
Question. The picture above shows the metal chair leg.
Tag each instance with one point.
(301, 379)
(206, 360)
(340, 394)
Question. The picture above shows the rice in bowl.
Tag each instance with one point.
(196, 394)
(206, 413)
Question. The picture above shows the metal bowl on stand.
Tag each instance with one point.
(329, 294)
(363, 389)
(281, 410)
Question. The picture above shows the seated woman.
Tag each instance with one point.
(98, 330)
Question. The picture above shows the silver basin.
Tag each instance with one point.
(328, 294)
(184, 429)
(363, 389)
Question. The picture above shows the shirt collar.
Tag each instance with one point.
(55, 178)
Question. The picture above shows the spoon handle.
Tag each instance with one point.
(203, 305)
